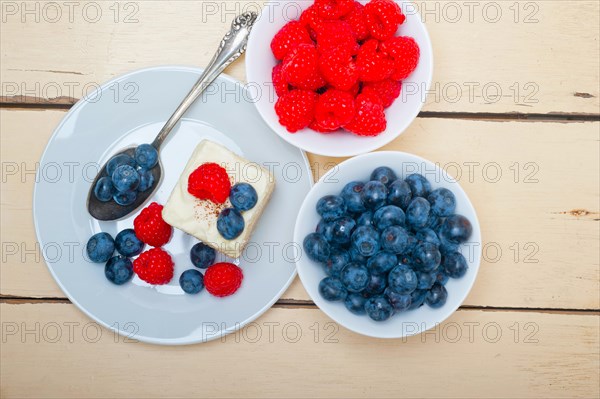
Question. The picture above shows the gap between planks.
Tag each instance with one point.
(485, 116)
(306, 304)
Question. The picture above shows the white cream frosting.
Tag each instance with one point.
(199, 217)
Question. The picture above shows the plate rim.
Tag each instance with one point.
(152, 340)
(401, 334)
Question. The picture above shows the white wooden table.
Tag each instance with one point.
(514, 114)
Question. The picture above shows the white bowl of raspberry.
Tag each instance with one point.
(339, 77)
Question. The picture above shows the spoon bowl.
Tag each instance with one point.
(110, 210)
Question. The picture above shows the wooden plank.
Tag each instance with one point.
(539, 226)
(526, 57)
(53, 350)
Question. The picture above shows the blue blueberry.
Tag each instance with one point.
(118, 270)
(146, 156)
(389, 215)
(437, 295)
(417, 213)
(455, 264)
(146, 179)
(426, 279)
(355, 277)
(441, 276)
(104, 189)
(412, 243)
(243, 196)
(377, 284)
(202, 256)
(447, 246)
(316, 247)
(400, 302)
(399, 194)
(434, 221)
(331, 207)
(384, 175)
(127, 243)
(365, 219)
(118, 160)
(456, 229)
(325, 229)
(427, 235)
(125, 178)
(366, 240)
(417, 298)
(355, 303)
(341, 230)
(419, 185)
(230, 223)
(191, 281)
(427, 257)
(395, 239)
(351, 195)
(378, 308)
(374, 194)
(125, 198)
(336, 262)
(355, 256)
(382, 262)
(332, 289)
(402, 279)
(100, 247)
(443, 202)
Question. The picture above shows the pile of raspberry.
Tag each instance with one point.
(341, 66)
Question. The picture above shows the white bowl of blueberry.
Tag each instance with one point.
(391, 244)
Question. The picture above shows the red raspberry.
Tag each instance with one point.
(354, 89)
(312, 83)
(296, 109)
(150, 227)
(288, 38)
(369, 119)
(339, 69)
(279, 83)
(317, 127)
(210, 182)
(373, 64)
(312, 21)
(358, 23)
(223, 279)
(405, 53)
(301, 67)
(154, 266)
(334, 109)
(333, 9)
(386, 90)
(382, 18)
(333, 34)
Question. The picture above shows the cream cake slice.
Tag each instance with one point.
(199, 217)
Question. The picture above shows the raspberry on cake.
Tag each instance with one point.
(198, 217)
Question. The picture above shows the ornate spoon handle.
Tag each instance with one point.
(232, 46)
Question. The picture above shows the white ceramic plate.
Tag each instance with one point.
(130, 110)
(405, 323)
(260, 62)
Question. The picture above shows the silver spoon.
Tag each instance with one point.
(231, 48)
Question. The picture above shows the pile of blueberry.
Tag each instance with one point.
(388, 245)
(230, 222)
(127, 176)
(119, 268)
